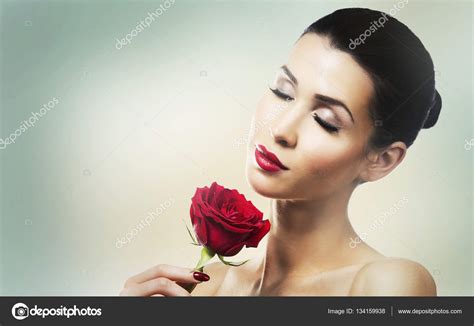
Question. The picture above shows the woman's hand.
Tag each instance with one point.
(162, 280)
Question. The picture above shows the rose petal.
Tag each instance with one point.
(259, 234)
(225, 221)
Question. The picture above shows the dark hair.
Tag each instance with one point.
(401, 69)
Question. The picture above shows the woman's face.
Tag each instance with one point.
(315, 120)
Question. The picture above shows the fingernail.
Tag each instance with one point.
(203, 277)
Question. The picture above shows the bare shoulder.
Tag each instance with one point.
(216, 272)
(393, 277)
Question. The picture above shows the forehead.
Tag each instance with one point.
(323, 69)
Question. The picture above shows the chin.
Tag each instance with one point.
(263, 185)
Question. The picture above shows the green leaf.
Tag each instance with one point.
(206, 255)
(190, 234)
(231, 263)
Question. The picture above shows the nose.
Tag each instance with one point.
(283, 130)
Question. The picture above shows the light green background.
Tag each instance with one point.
(152, 121)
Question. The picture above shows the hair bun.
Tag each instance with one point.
(433, 112)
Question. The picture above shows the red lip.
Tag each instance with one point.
(268, 160)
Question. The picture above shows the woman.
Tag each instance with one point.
(357, 88)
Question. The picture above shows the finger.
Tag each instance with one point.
(175, 273)
(157, 286)
(187, 286)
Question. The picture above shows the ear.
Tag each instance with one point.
(380, 163)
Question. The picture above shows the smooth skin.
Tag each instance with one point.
(159, 280)
(308, 250)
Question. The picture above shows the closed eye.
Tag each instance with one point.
(329, 127)
(281, 95)
(326, 125)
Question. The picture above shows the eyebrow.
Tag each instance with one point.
(320, 97)
(289, 74)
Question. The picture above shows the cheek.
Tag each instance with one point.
(329, 160)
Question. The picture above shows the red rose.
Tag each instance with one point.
(225, 221)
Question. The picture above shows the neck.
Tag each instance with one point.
(307, 237)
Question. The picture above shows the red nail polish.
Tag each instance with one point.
(201, 276)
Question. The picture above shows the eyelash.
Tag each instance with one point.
(329, 127)
(281, 95)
